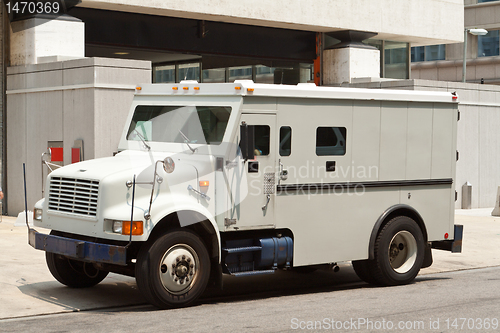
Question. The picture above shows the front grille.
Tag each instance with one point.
(72, 195)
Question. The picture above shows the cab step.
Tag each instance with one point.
(251, 273)
(242, 249)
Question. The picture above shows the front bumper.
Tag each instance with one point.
(78, 249)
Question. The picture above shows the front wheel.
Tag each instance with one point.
(399, 252)
(73, 273)
(174, 270)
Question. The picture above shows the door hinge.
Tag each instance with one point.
(229, 222)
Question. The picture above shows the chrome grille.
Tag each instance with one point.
(72, 195)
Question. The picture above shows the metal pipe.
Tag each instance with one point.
(25, 198)
(465, 55)
(131, 213)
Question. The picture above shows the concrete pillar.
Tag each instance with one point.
(467, 196)
(40, 40)
(63, 102)
(496, 210)
(350, 58)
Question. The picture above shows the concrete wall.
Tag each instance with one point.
(478, 139)
(486, 68)
(33, 39)
(476, 15)
(416, 21)
(484, 15)
(86, 99)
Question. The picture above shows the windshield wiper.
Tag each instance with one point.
(186, 141)
(142, 139)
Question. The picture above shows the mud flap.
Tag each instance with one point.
(427, 256)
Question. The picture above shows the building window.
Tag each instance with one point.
(165, 74)
(189, 71)
(215, 75)
(240, 73)
(264, 74)
(176, 72)
(480, 1)
(330, 141)
(428, 53)
(285, 141)
(394, 58)
(418, 53)
(487, 45)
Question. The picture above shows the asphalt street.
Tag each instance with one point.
(463, 301)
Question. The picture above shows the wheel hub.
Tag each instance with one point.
(402, 252)
(178, 268)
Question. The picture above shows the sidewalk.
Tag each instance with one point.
(28, 288)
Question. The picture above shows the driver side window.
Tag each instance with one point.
(262, 134)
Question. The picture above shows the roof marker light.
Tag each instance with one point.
(196, 88)
(250, 89)
(237, 88)
(185, 88)
(174, 88)
(138, 88)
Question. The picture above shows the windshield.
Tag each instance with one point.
(181, 124)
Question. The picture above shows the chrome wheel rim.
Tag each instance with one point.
(178, 269)
(402, 252)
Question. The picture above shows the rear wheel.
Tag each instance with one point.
(174, 270)
(399, 252)
(73, 273)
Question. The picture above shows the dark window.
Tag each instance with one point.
(262, 139)
(285, 141)
(488, 45)
(330, 141)
(428, 53)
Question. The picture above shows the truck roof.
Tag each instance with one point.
(302, 90)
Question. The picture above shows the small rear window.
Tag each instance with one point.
(331, 141)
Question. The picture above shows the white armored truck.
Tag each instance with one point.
(243, 178)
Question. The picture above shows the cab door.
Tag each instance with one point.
(254, 202)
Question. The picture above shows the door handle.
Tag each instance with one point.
(283, 172)
(267, 202)
(203, 195)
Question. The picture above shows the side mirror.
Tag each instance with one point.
(247, 142)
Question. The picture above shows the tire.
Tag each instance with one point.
(174, 270)
(362, 269)
(399, 252)
(73, 273)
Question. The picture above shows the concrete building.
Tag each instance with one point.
(68, 79)
(444, 62)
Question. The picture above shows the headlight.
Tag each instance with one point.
(117, 227)
(37, 214)
(123, 227)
